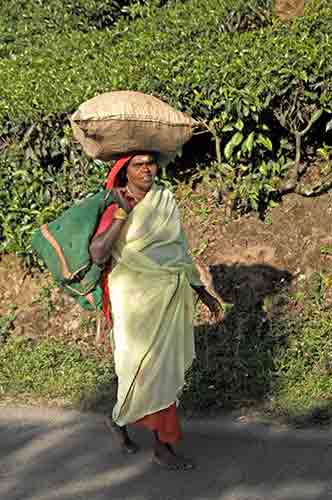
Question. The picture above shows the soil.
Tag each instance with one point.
(244, 258)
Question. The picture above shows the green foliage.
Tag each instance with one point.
(50, 370)
(30, 22)
(320, 7)
(254, 90)
(40, 180)
(30, 17)
(304, 366)
(279, 355)
(56, 76)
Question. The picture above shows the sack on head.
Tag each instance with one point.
(115, 123)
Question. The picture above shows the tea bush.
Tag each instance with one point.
(29, 17)
(263, 94)
(29, 23)
(21, 22)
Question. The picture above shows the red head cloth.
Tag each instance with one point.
(112, 181)
(104, 223)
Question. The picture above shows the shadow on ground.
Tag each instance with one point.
(235, 357)
(50, 454)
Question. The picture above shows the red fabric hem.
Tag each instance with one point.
(165, 422)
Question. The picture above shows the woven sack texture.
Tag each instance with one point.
(115, 123)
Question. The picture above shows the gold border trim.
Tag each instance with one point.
(56, 247)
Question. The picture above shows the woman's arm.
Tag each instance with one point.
(101, 245)
(205, 296)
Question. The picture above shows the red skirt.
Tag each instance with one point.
(165, 422)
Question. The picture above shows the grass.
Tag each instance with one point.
(6, 325)
(304, 365)
(52, 370)
(277, 357)
(281, 362)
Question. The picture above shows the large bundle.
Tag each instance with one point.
(63, 245)
(114, 123)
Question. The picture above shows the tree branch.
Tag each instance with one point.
(297, 169)
(212, 130)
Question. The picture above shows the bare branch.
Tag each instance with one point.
(315, 117)
(298, 169)
(212, 130)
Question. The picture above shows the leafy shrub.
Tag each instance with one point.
(320, 7)
(28, 23)
(51, 174)
(264, 95)
(30, 17)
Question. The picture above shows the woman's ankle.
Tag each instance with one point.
(120, 432)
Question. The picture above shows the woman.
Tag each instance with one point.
(150, 291)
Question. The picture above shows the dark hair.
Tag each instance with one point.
(122, 177)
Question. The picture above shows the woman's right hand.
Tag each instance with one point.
(120, 200)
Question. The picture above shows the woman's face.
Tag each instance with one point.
(141, 171)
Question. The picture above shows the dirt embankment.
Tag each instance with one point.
(248, 259)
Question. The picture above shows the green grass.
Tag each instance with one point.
(54, 371)
(304, 365)
(276, 356)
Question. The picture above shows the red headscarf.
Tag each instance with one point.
(104, 223)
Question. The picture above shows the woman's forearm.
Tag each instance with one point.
(101, 245)
(200, 290)
(209, 300)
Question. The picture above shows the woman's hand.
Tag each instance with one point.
(120, 200)
(211, 302)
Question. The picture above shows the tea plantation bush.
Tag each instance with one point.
(31, 17)
(264, 95)
(320, 7)
(28, 23)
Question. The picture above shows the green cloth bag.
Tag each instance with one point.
(63, 245)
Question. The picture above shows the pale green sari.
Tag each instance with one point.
(152, 308)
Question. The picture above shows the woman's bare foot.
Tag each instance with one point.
(126, 444)
(165, 456)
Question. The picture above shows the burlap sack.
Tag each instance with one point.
(114, 123)
(286, 9)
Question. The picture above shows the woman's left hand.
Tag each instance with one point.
(211, 302)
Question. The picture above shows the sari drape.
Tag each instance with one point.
(152, 308)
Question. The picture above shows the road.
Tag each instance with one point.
(55, 454)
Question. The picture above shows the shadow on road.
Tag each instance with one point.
(49, 454)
